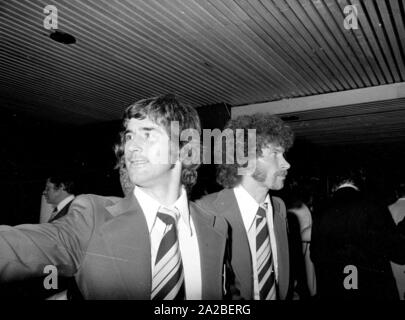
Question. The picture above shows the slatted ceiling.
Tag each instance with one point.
(126, 68)
(288, 66)
(285, 29)
(358, 40)
(45, 67)
(354, 124)
(335, 31)
(263, 66)
(399, 23)
(212, 56)
(370, 108)
(355, 59)
(330, 49)
(360, 123)
(291, 48)
(119, 69)
(365, 36)
(300, 30)
(265, 33)
(390, 31)
(192, 41)
(213, 51)
(321, 44)
(377, 26)
(117, 44)
(247, 51)
(381, 47)
(202, 59)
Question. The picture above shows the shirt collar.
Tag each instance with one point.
(64, 202)
(248, 205)
(150, 207)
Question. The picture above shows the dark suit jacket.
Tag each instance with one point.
(224, 204)
(355, 230)
(62, 212)
(105, 243)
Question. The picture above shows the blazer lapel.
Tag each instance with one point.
(127, 239)
(228, 208)
(282, 249)
(209, 241)
(61, 213)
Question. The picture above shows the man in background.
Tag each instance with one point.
(353, 240)
(59, 193)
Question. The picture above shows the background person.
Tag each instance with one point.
(257, 219)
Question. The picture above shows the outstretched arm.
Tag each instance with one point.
(25, 250)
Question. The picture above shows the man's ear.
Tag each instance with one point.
(248, 168)
(62, 187)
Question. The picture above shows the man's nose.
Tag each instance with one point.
(285, 165)
(135, 144)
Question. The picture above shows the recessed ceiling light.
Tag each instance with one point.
(62, 37)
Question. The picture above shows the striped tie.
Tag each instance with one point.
(168, 277)
(267, 284)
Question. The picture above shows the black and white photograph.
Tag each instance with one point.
(219, 151)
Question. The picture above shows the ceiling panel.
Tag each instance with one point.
(379, 122)
(209, 52)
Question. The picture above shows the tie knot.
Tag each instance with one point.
(167, 216)
(261, 212)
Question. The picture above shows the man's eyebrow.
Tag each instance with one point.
(146, 128)
(278, 149)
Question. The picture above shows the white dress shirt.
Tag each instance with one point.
(248, 208)
(188, 242)
(397, 210)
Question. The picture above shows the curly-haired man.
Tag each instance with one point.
(257, 220)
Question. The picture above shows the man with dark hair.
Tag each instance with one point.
(260, 257)
(353, 240)
(152, 244)
(59, 193)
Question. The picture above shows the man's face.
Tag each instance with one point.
(51, 193)
(271, 167)
(147, 153)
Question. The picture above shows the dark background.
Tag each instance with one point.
(32, 149)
